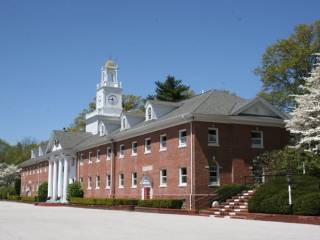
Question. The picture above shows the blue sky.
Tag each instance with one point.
(51, 51)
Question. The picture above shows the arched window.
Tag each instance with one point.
(123, 123)
(214, 176)
(102, 130)
(149, 113)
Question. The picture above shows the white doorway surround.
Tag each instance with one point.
(146, 188)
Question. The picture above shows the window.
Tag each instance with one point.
(81, 159)
(121, 180)
(163, 177)
(81, 181)
(108, 181)
(98, 156)
(102, 130)
(109, 153)
(134, 149)
(149, 113)
(123, 123)
(183, 176)
(90, 157)
(89, 183)
(121, 152)
(147, 145)
(163, 142)
(213, 137)
(256, 139)
(97, 182)
(134, 180)
(214, 175)
(182, 138)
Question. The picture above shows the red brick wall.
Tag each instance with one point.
(32, 177)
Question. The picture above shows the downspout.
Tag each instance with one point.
(191, 163)
(113, 189)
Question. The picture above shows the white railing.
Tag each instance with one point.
(109, 84)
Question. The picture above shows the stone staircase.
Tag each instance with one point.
(235, 207)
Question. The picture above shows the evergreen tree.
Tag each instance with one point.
(305, 121)
(171, 90)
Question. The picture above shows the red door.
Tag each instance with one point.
(146, 193)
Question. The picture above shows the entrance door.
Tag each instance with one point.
(146, 193)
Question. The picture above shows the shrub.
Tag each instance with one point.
(272, 197)
(103, 201)
(28, 199)
(14, 197)
(227, 191)
(74, 190)
(43, 192)
(308, 204)
(161, 203)
(6, 191)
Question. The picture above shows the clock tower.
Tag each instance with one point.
(108, 101)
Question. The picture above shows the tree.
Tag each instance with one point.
(43, 192)
(305, 121)
(132, 102)
(171, 90)
(8, 174)
(286, 63)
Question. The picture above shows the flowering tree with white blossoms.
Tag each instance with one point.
(8, 174)
(305, 121)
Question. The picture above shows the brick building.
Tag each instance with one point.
(174, 150)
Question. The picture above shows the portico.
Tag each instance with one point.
(58, 178)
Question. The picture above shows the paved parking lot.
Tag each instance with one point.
(25, 221)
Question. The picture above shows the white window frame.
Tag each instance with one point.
(132, 148)
(217, 137)
(97, 182)
(149, 114)
(121, 180)
(90, 157)
(261, 139)
(108, 181)
(81, 181)
(146, 150)
(98, 156)
(217, 170)
(121, 151)
(162, 177)
(181, 183)
(134, 180)
(89, 183)
(124, 123)
(182, 144)
(81, 159)
(109, 150)
(161, 147)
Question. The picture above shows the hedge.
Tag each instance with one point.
(28, 199)
(161, 203)
(6, 191)
(228, 191)
(103, 201)
(14, 197)
(153, 203)
(272, 197)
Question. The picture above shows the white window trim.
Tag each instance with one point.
(108, 182)
(81, 159)
(217, 137)
(109, 157)
(98, 187)
(145, 146)
(182, 145)
(134, 153)
(132, 182)
(216, 184)
(262, 143)
(89, 183)
(90, 157)
(121, 186)
(121, 155)
(181, 184)
(161, 176)
(161, 149)
(147, 113)
(98, 156)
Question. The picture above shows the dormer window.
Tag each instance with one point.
(102, 130)
(56, 142)
(149, 113)
(123, 123)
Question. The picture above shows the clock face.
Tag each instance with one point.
(112, 99)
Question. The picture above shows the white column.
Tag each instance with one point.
(60, 179)
(65, 180)
(54, 181)
(50, 179)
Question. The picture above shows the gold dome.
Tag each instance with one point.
(110, 64)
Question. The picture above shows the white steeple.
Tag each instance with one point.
(109, 75)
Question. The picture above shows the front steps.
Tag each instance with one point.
(235, 207)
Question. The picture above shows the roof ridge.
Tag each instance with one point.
(203, 101)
